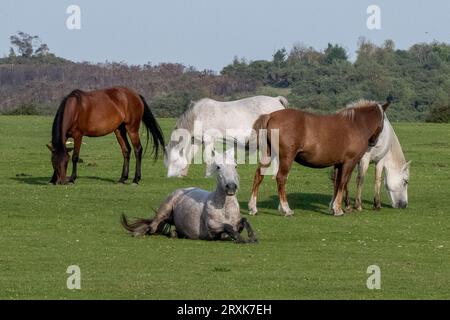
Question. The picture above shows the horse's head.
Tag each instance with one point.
(60, 161)
(175, 161)
(224, 166)
(396, 182)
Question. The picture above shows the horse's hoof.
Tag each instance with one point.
(135, 184)
(253, 212)
(339, 213)
(348, 209)
(359, 208)
(287, 213)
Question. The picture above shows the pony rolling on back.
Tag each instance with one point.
(232, 119)
(200, 214)
(319, 141)
(98, 113)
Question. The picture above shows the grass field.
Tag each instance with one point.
(44, 229)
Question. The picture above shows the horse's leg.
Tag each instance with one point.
(363, 165)
(163, 214)
(244, 224)
(256, 183)
(282, 174)
(75, 157)
(235, 235)
(378, 177)
(341, 181)
(209, 149)
(348, 206)
(337, 172)
(121, 135)
(54, 178)
(135, 140)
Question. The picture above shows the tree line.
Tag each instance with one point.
(33, 80)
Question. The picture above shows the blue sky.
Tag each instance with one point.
(209, 33)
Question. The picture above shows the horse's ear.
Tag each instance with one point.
(50, 147)
(407, 165)
(389, 100)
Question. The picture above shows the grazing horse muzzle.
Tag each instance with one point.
(231, 189)
(401, 205)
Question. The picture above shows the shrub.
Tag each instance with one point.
(24, 110)
(439, 114)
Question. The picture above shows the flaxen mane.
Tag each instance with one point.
(396, 150)
(349, 110)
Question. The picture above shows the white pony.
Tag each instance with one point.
(198, 213)
(207, 121)
(387, 154)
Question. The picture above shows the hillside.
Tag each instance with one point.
(322, 81)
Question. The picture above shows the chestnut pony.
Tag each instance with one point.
(319, 141)
(98, 113)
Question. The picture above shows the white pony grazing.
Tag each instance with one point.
(208, 121)
(387, 154)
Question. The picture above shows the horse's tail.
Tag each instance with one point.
(139, 227)
(283, 101)
(261, 124)
(58, 145)
(153, 128)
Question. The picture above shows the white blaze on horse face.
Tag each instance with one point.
(177, 163)
(224, 166)
(397, 186)
(176, 159)
(210, 136)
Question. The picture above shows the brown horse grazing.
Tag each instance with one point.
(320, 141)
(98, 113)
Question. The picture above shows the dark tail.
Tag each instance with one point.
(153, 128)
(58, 144)
(139, 227)
(261, 123)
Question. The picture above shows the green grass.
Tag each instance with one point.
(44, 229)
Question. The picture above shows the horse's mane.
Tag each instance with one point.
(57, 136)
(396, 151)
(349, 110)
(186, 120)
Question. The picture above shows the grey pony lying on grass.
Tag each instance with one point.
(200, 214)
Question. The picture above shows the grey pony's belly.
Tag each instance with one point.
(187, 213)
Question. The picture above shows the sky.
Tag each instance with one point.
(208, 34)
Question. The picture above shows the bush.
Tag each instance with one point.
(24, 110)
(440, 114)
